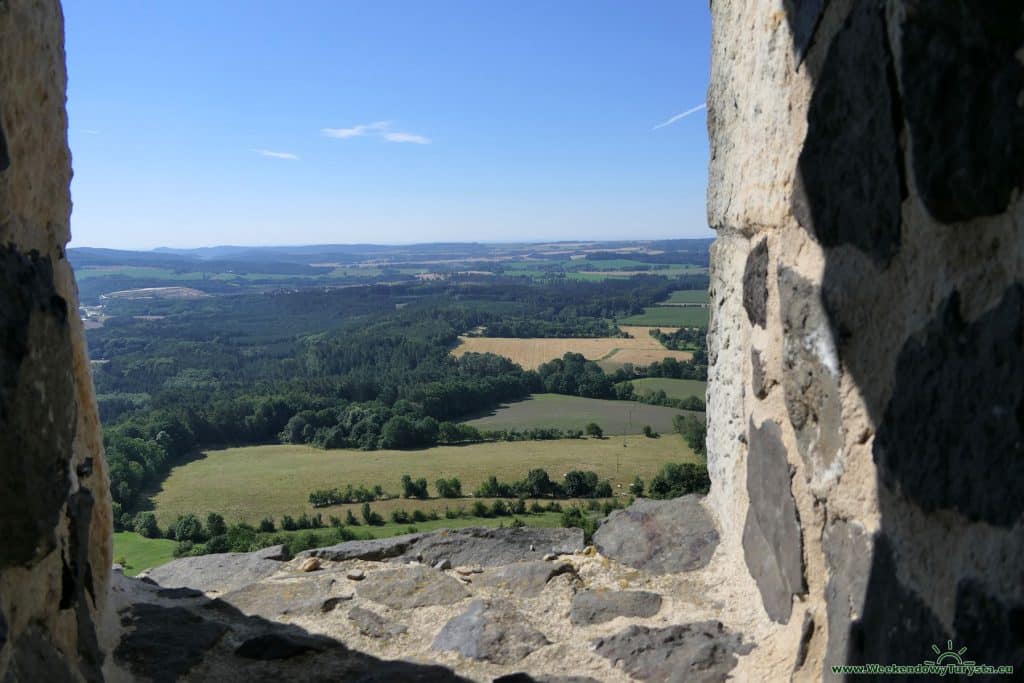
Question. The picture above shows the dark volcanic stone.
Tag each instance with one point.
(772, 544)
(995, 624)
(961, 82)
(413, 586)
(597, 606)
(524, 579)
(34, 658)
(659, 536)
(811, 388)
(271, 646)
(165, 642)
(804, 17)
(37, 406)
(895, 624)
(374, 625)
(952, 435)
(490, 631)
(850, 185)
(703, 652)
(5, 158)
(755, 284)
(495, 547)
(848, 550)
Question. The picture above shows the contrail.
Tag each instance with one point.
(683, 115)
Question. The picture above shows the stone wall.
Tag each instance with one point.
(55, 530)
(866, 403)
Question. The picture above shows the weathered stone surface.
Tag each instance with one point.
(374, 550)
(272, 599)
(34, 658)
(490, 631)
(333, 602)
(772, 544)
(759, 382)
(271, 646)
(374, 625)
(274, 552)
(221, 573)
(493, 547)
(411, 586)
(37, 406)
(850, 185)
(165, 642)
(755, 284)
(847, 549)
(599, 606)
(659, 536)
(952, 435)
(691, 653)
(525, 579)
(810, 379)
(962, 79)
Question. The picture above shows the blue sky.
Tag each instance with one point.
(257, 122)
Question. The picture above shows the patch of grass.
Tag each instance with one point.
(574, 412)
(674, 316)
(246, 484)
(689, 296)
(137, 552)
(673, 388)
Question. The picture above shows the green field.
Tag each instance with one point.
(688, 296)
(670, 316)
(138, 552)
(246, 484)
(673, 388)
(574, 412)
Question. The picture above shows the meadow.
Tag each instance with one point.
(135, 552)
(689, 296)
(248, 483)
(673, 388)
(574, 412)
(640, 349)
(678, 316)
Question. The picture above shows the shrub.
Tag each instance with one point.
(345, 534)
(499, 508)
(519, 507)
(215, 525)
(679, 479)
(335, 522)
(399, 516)
(579, 484)
(371, 517)
(449, 488)
(145, 525)
(693, 431)
(350, 518)
(183, 549)
(650, 433)
(414, 489)
(418, 516)
(637, 487)
(288, 523)
(267, 525)
(576, 517)
(593, 429)
(604, 490)
(517, 523)
(189, 528)
(479, 509)
(536, 507)
(218, 544)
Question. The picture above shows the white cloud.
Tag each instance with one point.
(380, 129)
(276, 155)
(681, 115)
(407, 137)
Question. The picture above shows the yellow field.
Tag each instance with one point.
(248, 483)
(642, 349)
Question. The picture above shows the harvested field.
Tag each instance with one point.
(641, 349)
(157, 293)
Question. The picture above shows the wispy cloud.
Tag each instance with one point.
(681, 115)
(276, 155)
(380, 129)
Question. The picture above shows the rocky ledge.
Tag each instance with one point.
(470, 604)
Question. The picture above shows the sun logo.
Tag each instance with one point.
(950, 656)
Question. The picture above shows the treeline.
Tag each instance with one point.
(683, 339)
